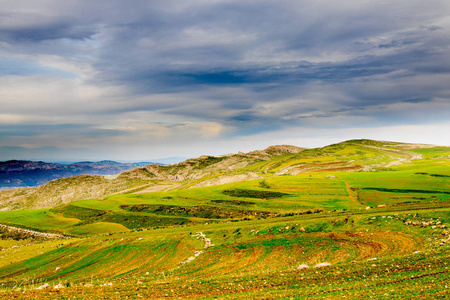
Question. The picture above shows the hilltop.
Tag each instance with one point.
(353, 155)
(359, 219)
(150, 177)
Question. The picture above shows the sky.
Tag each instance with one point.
(139, 80)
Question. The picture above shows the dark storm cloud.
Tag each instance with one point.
(57, 30)
(247, 67)
(416, 100)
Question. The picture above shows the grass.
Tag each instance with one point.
(146, 245)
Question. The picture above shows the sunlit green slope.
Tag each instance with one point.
(371, 216)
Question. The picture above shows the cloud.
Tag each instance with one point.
(110, 72)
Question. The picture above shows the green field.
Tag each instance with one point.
(356, 219)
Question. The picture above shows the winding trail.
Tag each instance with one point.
(351, 195)
(207, 242)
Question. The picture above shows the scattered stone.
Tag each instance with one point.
(208, 243)
(303, 266)
(324, 264)
(44, 286)
(58, 286)
(34, 233)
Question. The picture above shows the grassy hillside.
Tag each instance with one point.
(355, 155)
(356, 219)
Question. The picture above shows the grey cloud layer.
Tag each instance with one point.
(238, 68)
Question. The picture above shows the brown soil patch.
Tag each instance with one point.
(354, 167)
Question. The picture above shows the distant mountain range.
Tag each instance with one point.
(24, 173)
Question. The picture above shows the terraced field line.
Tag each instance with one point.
(131, 189)
(407, 156)
(351, 195)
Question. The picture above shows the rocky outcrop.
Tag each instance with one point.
(197, 168)
(33, 233)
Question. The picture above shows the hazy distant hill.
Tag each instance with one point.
(21, 173)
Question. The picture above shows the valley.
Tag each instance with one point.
(356, 219)
(23, 173)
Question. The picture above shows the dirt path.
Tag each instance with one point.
(206, 240)
(351, 195)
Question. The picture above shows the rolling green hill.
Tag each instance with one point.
(357, 219)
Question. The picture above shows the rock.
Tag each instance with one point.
(367, 207)
(302, 229)
(58, 286)
(324, 264)
(208, 243)
(303, 266)
(44, 286)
